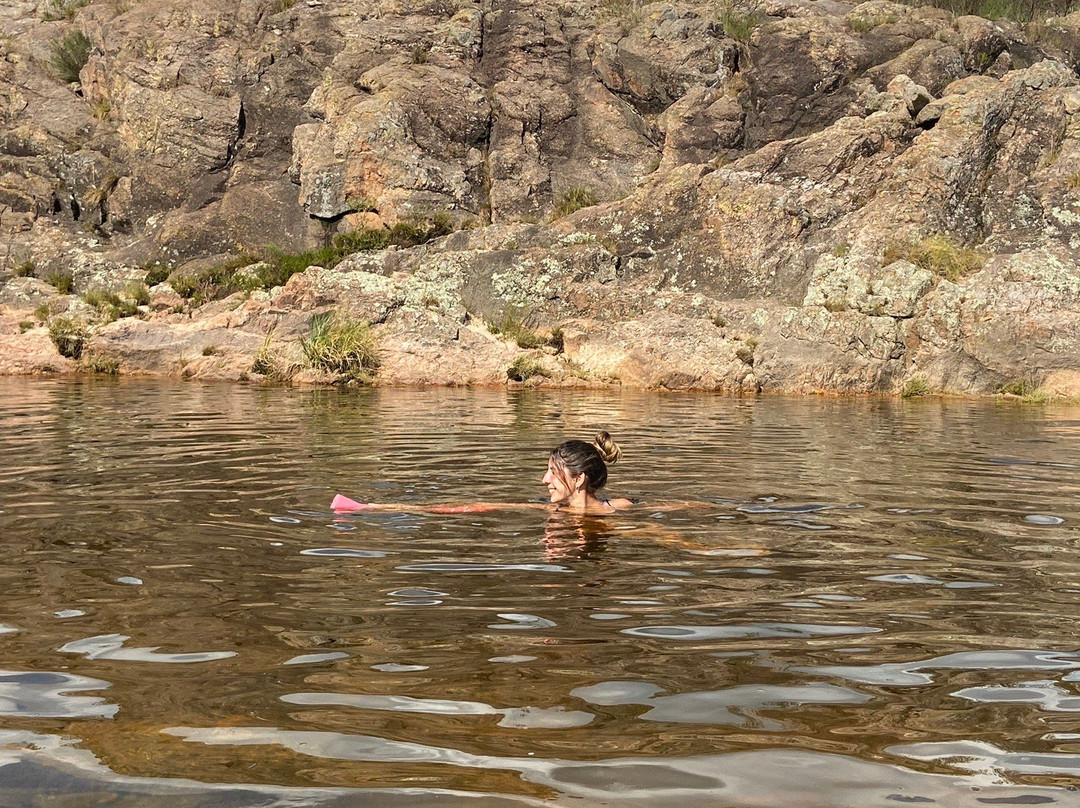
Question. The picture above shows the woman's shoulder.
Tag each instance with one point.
(620, 503)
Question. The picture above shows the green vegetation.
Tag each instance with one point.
(138, 292)
(719, 320)
(557, 340)
(63, 281)
(574, 199)
(24, 269)
(68, 335)
(1016, 10)
(62, 9)
(938, 254)
(275, 267)
(1073, 183)
(523, 368)
(864, 23)
(738, 24)
(342, 346)
(43, 313)
(69, 54)
(420, 54)
(916, 386)
(102, 363)
(110, 305)
(210, 350)
(156, 272)
(1029, 390)
(26, 325)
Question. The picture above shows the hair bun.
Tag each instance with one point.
(609, 450)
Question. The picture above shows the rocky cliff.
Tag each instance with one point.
(799, 195)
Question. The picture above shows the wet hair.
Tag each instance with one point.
(591, 459)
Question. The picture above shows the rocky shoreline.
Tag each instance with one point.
(802, 196)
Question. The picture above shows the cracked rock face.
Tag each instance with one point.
(813, 196)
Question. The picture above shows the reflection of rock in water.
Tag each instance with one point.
(568, 535)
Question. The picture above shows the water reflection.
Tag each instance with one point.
(180, 603)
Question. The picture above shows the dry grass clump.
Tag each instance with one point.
(68, 335)
(938, 254)
(573, 200)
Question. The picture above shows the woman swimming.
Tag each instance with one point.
(576, 470)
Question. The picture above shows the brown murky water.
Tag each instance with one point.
(876, 606)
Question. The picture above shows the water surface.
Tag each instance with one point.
(870, 603)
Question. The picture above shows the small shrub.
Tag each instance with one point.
(278, 6)
(510, 327)
(24, 269)
(110, 305)
(101, 109)
(420, 53)
(69, 54)
(26, 325)
(156, 272)
(102, 363)
(573, 200)
(361, 204)
(138, 292)
(916, 386)
(63, 281)
(210, 350)
(523, 368)
(43, 312)
(719, 320)
(738, 25)
(68, 335)
(1073, 183)
(745, 354)
(62, 9)
(557, 340)
(938, 254)
(338, 345)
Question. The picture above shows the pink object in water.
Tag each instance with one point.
(341, 503)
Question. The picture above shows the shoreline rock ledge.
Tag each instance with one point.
(793, 196)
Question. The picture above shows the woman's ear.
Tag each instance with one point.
(579, 481)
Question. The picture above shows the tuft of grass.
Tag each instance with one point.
(102, 363)
(24, 269)
(420, 53)
(210, 350)
(512, 328)
(573, 200)
(26, 325)
(719, 320)
(938, 254)
(864, 23)
(68, 335)
(63, 281)
(1073, 183)
(43, 312)
(156, 272)
(62, 9)
(101, 109)
(1029, 390)
(110, 305)
(738, 25)
(841, 250)
(916, 386)
(69, 54)
(138, 293)
(341, 346)
(557, 339)
(278, 6)
(523, 368)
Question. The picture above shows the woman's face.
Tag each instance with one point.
(560, 489)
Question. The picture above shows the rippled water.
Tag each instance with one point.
(872, 602)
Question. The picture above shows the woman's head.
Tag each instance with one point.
(575, 465)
